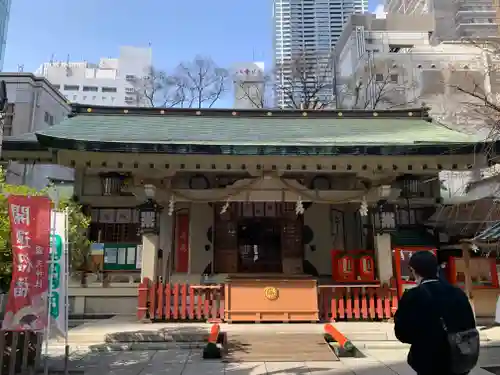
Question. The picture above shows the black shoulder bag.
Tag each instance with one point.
(464, 345)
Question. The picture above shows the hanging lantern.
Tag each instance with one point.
(149, 216)
(384, 217)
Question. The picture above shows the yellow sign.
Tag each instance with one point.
(271, 293)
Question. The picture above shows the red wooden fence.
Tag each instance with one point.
(363, 303)
(184, 302)
(180, 302)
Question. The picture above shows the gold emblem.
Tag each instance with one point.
(271, 293)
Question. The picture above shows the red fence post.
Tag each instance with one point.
(168, 301)
(176, 301)
(191, 303)
(159, 312)
(184, 289)
(153, 300)
(142, 299)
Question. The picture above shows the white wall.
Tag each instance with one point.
(34, 98)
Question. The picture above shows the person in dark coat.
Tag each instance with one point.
(418, 319)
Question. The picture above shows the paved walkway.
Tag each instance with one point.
(189, 362)
(364, 334)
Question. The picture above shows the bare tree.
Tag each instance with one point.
(157, 89)
(306, 82)
(253, 87)
(201, 82)
(301, 82)
(380, 84)
(475, 86)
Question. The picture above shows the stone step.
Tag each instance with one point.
(278, 347)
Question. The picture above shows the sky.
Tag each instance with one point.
(229, 31)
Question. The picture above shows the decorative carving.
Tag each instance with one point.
(271, 293)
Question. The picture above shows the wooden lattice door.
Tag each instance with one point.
(226, 239)
(292, 246)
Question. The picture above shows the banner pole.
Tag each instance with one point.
(51, 269)
(66, 297)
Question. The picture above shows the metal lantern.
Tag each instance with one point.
(149, 216)
(384, 217)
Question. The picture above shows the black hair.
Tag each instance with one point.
(425, 264)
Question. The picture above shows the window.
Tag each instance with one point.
(118, 231)
(129, 90)
(90, 88)
(84, 97)
(9, 119)
(109, 89)
(94, 97)
(379, 77)
(71, 87)
(48, 118)
(75, 97)
(394, 78)
(130, 77)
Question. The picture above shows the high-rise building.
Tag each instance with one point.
(113, 81)
(4, 24)
(454, 19)
(309, 28)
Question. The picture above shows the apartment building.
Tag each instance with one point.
(33, 104)
(386, 63)
(454, 19)
(112, 81)
(391, 63)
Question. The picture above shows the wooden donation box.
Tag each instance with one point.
(271, 298)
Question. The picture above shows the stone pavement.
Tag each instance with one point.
(189, 362)
(363, 334)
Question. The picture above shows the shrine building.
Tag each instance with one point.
(251, 215)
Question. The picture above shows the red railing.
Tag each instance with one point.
(180, 302)
(185, 302)
(357, 303)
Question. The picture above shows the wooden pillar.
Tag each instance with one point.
(466, 247)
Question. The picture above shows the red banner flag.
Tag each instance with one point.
(30, 236)
(182, 243)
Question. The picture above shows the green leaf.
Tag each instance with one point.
(78, 243)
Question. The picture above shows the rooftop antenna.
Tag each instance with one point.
(68, 70)
(51, 61)
(20, 68)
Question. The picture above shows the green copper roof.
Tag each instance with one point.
(250, 132)
(253, 131)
